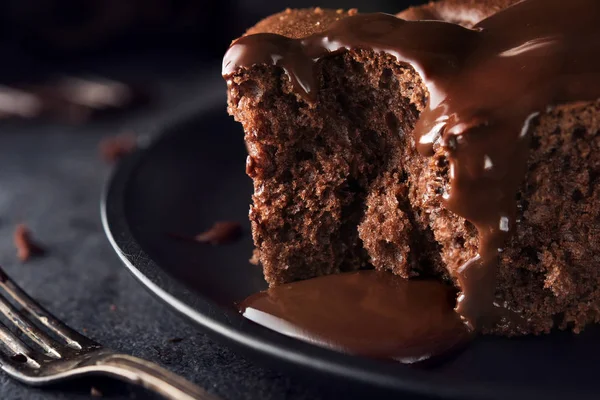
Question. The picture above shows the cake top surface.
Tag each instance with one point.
(486, 86)
(464, 12)
(300, 23)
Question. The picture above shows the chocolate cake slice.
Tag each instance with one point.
(429, 149)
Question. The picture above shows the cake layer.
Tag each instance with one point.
(339, 183)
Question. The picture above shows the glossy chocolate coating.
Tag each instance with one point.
(368, 313)
(486, 87)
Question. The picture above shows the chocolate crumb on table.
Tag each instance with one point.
(114, 148)
(175, 340)
(26, 246)
(221, 232)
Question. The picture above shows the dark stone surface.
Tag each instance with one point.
(51, 178)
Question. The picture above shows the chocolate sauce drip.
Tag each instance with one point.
(486, 86)
(368, 313)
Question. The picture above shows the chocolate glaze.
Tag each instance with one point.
(369, 313)
(486, 87)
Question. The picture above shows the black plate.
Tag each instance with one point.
(193, 175)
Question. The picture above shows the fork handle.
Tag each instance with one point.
(150, 376)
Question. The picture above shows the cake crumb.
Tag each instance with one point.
(339, 11)
(318, 10)
(255, 259)
(221, 232)
(352, 11)
(94, 392)
(26, 246)
(114, 148)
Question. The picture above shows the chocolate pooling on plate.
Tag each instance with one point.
(486, 87)
(368, 313)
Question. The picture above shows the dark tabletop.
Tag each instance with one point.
(51, 178)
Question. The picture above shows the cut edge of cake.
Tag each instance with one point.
(338, 185)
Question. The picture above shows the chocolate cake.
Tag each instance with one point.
(467, 151)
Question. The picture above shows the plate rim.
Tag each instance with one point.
(240, 333)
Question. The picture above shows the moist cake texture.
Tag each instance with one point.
(340, 183)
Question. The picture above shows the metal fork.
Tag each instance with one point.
(56, 352)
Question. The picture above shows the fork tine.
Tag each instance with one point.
(31, 331)
(72, 338)
(19, 352)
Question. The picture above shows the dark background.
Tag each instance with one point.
(38, 37)
(51, 176)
